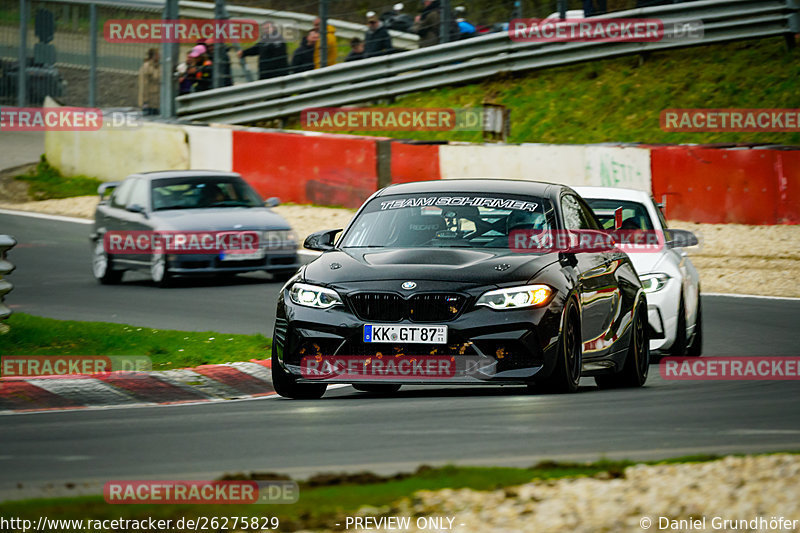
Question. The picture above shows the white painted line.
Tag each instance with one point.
(59, 218)
(787, 298)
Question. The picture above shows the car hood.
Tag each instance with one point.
(219, 219)
(471, 267)
(646, 262)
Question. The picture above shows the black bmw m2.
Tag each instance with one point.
(428, 285)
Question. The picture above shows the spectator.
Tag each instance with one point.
(203, 71)
(427, 23)
(397, 20)
(356, 50)
(150, 83)
(377, 41)
(226, 78)
(332, 44)
(303, 58)
(594, 7)
(465, 29)
(273, 59)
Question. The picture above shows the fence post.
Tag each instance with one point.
(169, 59)
(6, 243)
(323, 37)
(92, 55)
(444, 19)
(22, 71)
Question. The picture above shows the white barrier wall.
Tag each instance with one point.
(111, 154)
(574, 165)
(210, 148)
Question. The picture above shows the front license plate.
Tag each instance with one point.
(406, 334)
(242, 256)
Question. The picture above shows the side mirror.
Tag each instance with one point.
(136, 208)
(680, 238)
(321, 241)
(272, 202)
(107, 186)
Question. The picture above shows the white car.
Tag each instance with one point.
(668, 276)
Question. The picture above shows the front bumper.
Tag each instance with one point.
(485, 346)
(184, 264)
(662, 314)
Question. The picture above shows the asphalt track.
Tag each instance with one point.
(351, 431)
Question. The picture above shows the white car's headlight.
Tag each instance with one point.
(654, 282)
(314, 296)
(517, 297)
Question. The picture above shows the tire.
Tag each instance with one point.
(567, 374)
(696, 348)
(159, 271)
(637, 361)
(678, 348)
(286, 385)
(103, 266)
(376, 388)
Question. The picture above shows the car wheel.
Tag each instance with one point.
(286, 385)
(376, 388)
(637, 361)
(102, 266)
(678, 348)
(696, 348)
(567, 373)
(159, 271)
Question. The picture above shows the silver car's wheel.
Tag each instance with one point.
(159, 270)
(102, 266)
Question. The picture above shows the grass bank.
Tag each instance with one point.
(45, 182)
(620, 100)
(168, 349)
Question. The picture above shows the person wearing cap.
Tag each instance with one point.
(189, 70)
(331, 40)
(273, 59)
(377, 41)
(356, 50)
(397, 20)
(465, 28)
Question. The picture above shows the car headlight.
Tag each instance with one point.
(654, 282)
(517, 297)
(279, 239)
(314, 296)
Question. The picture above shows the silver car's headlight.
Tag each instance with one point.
(279, 239)
(517, 297)
(314, 296)
(654, 282)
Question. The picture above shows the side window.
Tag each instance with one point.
(119, 198)
(139, 193)
(588, 218)
(575, 216)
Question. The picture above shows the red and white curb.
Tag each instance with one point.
(207, 383)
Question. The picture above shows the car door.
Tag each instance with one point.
(136, 220)
(599, 290)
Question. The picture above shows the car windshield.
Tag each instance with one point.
(468, 220)
(203, 192)
(634, 214)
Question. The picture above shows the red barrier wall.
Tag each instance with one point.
(318, 169)
(415, 162)
(743, 186)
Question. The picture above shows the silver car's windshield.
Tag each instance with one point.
(466, 220)
(199, 193)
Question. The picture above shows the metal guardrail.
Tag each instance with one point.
(6, 243)
(475, 59)
(298, 21)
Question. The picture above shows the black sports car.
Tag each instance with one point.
(425, 286)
